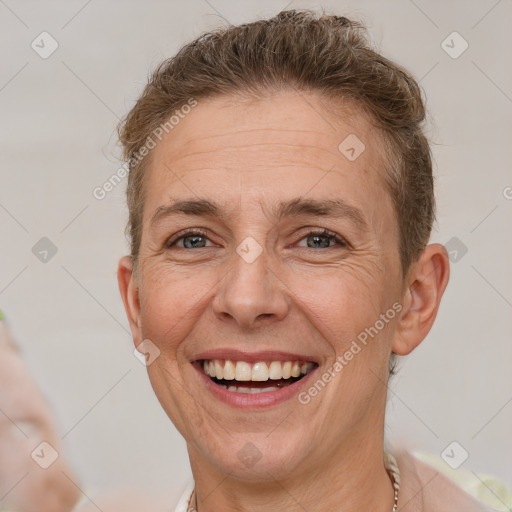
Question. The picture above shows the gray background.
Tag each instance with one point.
(58, 143)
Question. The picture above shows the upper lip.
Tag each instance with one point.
(253, 357)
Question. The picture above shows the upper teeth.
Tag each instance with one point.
(260, 371)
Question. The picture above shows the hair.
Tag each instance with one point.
(316, 53)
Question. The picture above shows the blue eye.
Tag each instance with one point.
(191, 240)
(321, 239)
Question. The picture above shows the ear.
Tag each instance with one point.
(426, 283)
(130, 294)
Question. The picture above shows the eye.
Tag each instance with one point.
(192, 239)
(195, 238)
(321, 239)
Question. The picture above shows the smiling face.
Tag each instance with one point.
(235, 266)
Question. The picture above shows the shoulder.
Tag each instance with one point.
(427, 486)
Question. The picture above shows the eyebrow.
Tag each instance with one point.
(337, 208)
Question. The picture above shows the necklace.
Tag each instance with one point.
(389, 463)
(394, 474)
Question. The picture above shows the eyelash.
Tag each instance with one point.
(321, 232)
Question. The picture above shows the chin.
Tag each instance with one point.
(256, 457)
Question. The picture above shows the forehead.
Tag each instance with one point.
(282, 146)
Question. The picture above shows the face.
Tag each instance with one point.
(269, 257)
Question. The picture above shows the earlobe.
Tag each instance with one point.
(427, 281)
(130, 294)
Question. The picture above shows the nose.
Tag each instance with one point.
(251, 294)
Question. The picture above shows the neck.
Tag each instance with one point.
(350, 479)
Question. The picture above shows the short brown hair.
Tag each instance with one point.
(326, 54)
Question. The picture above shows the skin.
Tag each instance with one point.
(25, 421)
(248, 155)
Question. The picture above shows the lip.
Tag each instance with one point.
(248, 401)
(254, 357)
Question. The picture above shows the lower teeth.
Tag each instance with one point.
(256, 389)
(248, 390)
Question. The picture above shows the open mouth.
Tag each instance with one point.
(259, 377)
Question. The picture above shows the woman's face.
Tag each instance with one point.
(249, 285)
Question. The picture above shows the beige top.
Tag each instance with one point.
(423, 488)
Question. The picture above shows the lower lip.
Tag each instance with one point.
(253, 400)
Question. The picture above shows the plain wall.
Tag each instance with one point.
(58, 143)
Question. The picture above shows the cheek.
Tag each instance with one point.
(344, 303)
(341, 296)
(171, 301)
